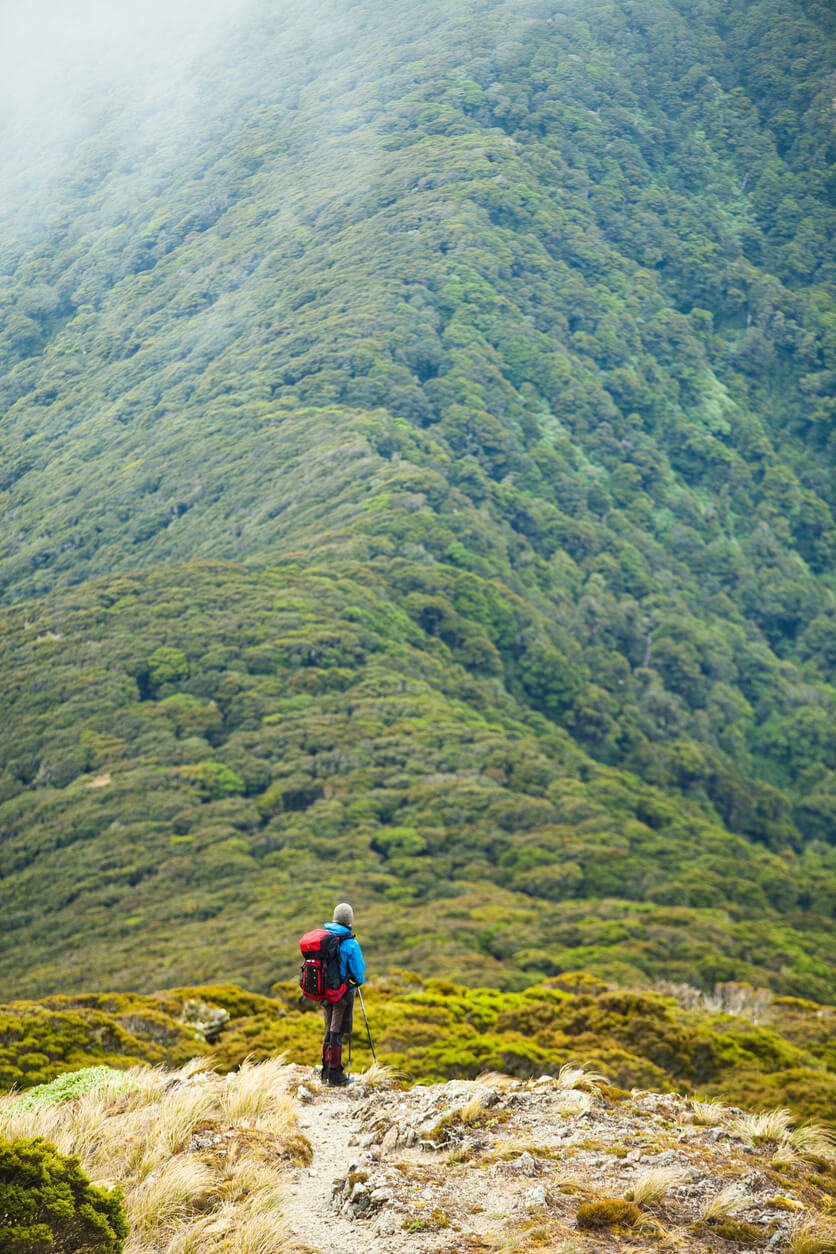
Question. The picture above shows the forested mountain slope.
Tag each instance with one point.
(415, 485)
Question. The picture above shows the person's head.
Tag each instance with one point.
(344, 914)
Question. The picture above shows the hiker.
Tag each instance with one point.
(339, 1015)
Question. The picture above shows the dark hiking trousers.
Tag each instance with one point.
(339, 1016)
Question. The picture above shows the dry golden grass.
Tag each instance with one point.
(378, 1076)
(256, 1227)
(766, 1125)
(498, 1080)
(813, 1236)
(654, 1186)
(472, 1110)
(254, 1089)
(574, 1076)
(707, 1114)
(785, 1157)
(508, 1148)
(727, 1203)
(813, 1143)
(545, 1236)
(197, 1155)
(178, 1116)
(169, 1192)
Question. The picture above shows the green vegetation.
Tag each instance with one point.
(415, 468)
(199, 1164)
(436, 1219)
(189, 829)
(39, 1040)
(75, 1084)
(434, 1030)
(48, 1204)
(736, 1230)
(608, 1213)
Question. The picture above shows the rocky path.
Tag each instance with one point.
(466, 1167)
(333, 1121)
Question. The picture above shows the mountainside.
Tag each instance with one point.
(414, 481)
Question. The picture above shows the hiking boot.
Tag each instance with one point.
(328, 1059)
(337, 1077)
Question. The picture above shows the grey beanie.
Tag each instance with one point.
(344, 914)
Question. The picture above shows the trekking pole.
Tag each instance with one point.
(366, 1017)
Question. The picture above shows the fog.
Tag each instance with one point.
(66, 67)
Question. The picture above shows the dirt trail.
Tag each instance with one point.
(328, 1126)
(331, 1122)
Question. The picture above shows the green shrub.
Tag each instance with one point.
(608, 1213)
(47, 1204)
(74, 1084)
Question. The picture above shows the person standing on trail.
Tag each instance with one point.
(339, 1015)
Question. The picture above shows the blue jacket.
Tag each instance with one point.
(352, 966)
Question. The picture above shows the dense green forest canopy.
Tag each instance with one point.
(414, 483)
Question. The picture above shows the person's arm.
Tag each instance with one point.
(356, 964)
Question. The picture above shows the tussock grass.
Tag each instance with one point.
(196, 1066)
(655, 1185)
(608, 1212)
(498, 1080)
(262, 1231)
(574, 1076)
(169, 1192)
(452, 1129)
(472, 1111)
(512, 1147)
(255, 1228)
(813, 1236)
(766, 1125)
(379, 1076)
(813, 1143)
(197, 1155)
(728, 1202)
(707, 1114)
(546, 1235)
(253, 1089)
(809, 1143)
(785, 1157)
(178, 1116)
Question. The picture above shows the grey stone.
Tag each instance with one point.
(387, 1224)
(535, 1197)
(207, 1020)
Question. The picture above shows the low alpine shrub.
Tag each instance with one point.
(48, 1206)
(608, 1213)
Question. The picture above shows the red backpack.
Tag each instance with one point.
(319, 978)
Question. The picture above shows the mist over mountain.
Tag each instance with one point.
(415, 474)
